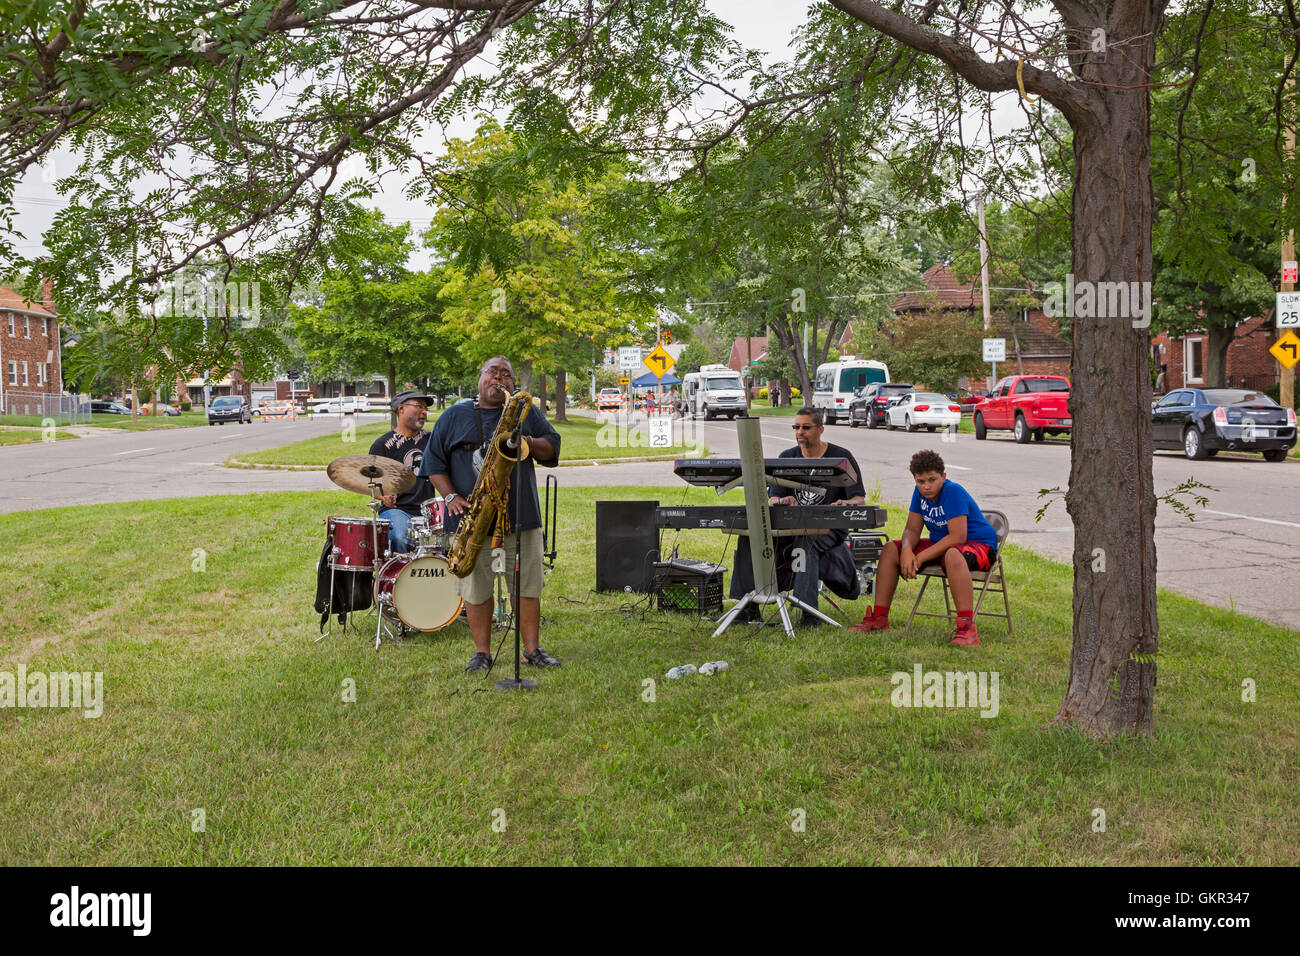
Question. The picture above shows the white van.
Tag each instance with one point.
(714, 391)
(837, 381)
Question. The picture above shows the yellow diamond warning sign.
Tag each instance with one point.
(1286, 349)
(659, 361)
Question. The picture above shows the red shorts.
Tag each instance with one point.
(979, 557)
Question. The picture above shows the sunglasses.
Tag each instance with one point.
(800, 428)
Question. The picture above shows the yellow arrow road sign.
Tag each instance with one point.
(659, 361)
(1286, 349)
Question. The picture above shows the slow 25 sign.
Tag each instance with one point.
(1288, 310)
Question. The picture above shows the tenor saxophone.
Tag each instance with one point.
(485, 510)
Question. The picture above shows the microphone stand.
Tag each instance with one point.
(519, 683)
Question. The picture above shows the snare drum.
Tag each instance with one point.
(355, 540)
(430, 537)
(420, 589)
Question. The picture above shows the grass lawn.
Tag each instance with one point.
(127, 422)
(23, 436)
(582, 438)
(217, 699)
(146, 422)
(760, 408)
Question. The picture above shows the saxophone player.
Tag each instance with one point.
(452, 460)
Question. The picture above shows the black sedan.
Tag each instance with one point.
(872, 401)
(102, 408)
(1205, 421)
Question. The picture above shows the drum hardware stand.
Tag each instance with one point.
(519, 683)
(550, 513)
(762, 552)
(376, 492)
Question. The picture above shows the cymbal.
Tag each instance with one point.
(355, 472)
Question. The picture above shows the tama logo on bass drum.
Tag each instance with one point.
(428, 572)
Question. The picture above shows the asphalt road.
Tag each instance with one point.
(1243, 548)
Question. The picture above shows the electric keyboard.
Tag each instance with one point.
(786, 519)
(715, 472)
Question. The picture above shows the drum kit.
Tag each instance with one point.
(414, 591)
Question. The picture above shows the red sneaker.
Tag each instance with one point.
(966, 635)
(872, 623)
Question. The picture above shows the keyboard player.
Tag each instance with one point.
(826, 556)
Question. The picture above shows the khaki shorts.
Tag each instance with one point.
(479, 586)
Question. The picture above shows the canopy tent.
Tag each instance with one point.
(650, 380)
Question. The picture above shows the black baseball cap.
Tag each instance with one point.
(401, 397)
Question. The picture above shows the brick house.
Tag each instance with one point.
(1034, 342)
(1247, 364)
(30, 356)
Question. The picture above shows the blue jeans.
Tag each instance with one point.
(401, 521)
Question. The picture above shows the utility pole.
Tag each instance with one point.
(984, 261)
(1286, 384)
(984, 279)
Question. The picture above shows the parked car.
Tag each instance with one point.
(871, 401)
(1030, 405)
(229, 408)
(344, 405)
(968, 399)
(1205, 421)
(102, 408)
(609, 400)
(169, 410)
(928, 410)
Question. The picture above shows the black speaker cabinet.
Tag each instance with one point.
(627, 545)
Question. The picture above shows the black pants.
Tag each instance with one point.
(826, 558)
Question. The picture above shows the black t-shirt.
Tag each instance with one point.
(823, 496)
(460, 432)
(409, 451)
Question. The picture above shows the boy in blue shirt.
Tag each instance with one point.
(960, 538)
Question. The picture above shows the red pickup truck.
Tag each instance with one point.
(1029, 405)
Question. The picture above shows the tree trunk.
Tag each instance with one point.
(525, 372)
(561, 394)
(392, 393)
(1111, 497)
(1217, 339)
(787, 398)
(541, 391)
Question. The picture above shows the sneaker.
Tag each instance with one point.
(539, 658)
(479, 662)
(966, 635)
(872, 623)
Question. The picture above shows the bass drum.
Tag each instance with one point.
(420, 589)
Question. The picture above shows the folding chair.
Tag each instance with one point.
(981, 579)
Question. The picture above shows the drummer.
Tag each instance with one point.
(405, 444)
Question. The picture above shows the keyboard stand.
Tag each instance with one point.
(762, 552)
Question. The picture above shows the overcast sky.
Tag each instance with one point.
(759, 24)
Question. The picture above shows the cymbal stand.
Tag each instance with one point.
(376, 493)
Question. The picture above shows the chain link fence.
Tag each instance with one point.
(63, 409)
